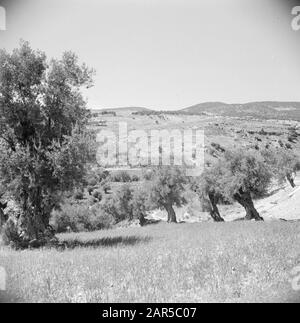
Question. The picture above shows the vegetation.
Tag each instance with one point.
(205, 188)
(199, 262)
(166, 189)
(78, 217)
(44, 146)
(240, 175)
(126, 203)
(284, 164)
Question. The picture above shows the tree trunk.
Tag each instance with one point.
(171, 214)
(245, 199)
(142, 220)
(291, 180)
(2, 218)
(34, 218)
(214, 211)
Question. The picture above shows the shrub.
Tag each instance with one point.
(97, 195)
(79, 218)
(148, 174)
(126, 203)
(120, 177)
(135, 178)
(10, 234)
(78, 195)
(90, 189)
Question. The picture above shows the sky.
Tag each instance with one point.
(168, 54)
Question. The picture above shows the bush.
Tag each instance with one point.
(96, 176)
(135, 178)
(120, 177)
(10, 234)
(78, 195)
(148, 174)
(118, 204)
(90, 189)
(126, 203)
(79, 218)
(97, 195)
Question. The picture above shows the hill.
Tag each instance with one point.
(259, 110)
(123, 109)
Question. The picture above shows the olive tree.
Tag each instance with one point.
(284, 164)
(43, 140)
(166, 188)
(242, 175)
(205, 188)
(127, 202)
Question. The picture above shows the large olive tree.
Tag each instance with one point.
(43, 141)
(242, 175)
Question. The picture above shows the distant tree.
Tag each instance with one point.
(119, 203)
(140, 205)
(126, 203)
(43, 142)
(204, 186)
(166, 189)
(284, 164)
(242, 174)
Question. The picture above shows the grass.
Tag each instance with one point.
(203, 262)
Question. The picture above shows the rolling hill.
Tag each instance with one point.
(260, 110)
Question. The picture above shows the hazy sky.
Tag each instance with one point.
(168, 54)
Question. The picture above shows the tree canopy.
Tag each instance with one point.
(242, 174)
(166, 189)
(43, 141)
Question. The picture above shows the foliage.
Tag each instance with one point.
(166, 189)
(121, 177)
(208, 194)
(78, 217)
(239, 175)
(126, 203)
(241, 170)
(43, 142)
(284, 164)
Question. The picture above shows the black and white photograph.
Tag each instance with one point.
(149, 154)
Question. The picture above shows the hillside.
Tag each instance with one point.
(123, 109)
(260, 110)
(283, 203)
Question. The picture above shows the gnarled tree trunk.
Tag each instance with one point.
(245, 199)
(142, 220)
(35, 216)
(3, 218)
(214, 211)
(291, 180)
(171, 213)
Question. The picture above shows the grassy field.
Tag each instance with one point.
(203, 262)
